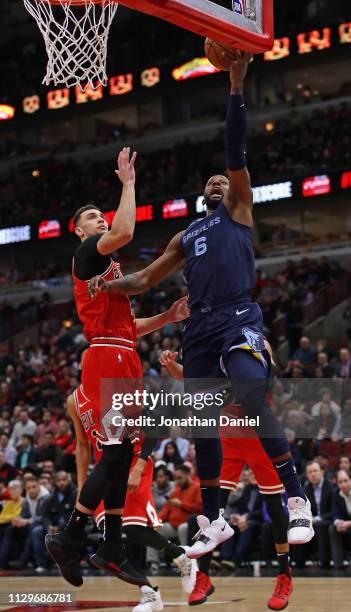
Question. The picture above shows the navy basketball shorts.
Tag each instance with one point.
(211, 333)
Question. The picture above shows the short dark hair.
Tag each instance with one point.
(82, 209)
(29, 437)
(30, 478)
(312, 462)
(183, 468)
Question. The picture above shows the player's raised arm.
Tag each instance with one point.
(139, 282)
(168, 360)
(239, 200)
(123, 224)
(177, 312)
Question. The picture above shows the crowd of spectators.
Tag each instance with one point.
(289, 149)
(23, 63)
(283, 294)
(311, 397)
(293, 289)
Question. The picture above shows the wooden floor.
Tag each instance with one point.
(232, 594)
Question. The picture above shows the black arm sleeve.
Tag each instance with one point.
(150, 440)
(147, 447)
(87, 260)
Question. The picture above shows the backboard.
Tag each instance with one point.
(246, 24)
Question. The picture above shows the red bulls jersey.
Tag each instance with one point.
(106, 317)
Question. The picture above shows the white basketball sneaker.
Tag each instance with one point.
(300, 530)
(188, 569)
(150, 600)
(209, 536)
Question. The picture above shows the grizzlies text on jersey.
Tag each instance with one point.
(220, 275)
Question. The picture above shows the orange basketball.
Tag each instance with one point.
(214, 50)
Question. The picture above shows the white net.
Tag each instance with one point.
(75, 36)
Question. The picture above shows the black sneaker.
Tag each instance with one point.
(67, 554)
(112, 558)
(17, 565)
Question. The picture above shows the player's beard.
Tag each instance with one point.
(211, 204)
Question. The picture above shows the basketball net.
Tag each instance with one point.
(75, 33)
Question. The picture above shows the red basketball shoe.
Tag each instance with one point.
(282, 592)
(202, 589)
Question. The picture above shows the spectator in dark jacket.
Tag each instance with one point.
(58, 508)
(60, 503)
(305, 354)
(319, 493)
(246, 516)
(49, 451)
(18, 537)
(340, 530)
(27, 454)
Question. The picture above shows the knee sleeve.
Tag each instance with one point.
(108, 480)
(145, 536)
(118, 458)
(208, 457)
(94, 487)
(278, 517)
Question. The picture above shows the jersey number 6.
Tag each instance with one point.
(200, 246)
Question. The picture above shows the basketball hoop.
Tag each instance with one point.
(75, 33)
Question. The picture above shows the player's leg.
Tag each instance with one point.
(111, 555)
(66, 547)
(201, 363)
(232, 465)
(284, 585)
(140, 521)
(150, 596)
(213, 529)
(248, 376)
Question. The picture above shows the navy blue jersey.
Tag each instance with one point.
(220, 261)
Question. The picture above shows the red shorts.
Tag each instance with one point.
(139, 508)
(107, 370)
(238, 452)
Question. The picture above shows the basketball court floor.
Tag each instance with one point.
(231, 595)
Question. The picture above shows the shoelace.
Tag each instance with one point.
(199, 534)
(148, 597)
(282, 586)
(185, 567)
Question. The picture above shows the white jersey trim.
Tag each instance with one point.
(112, 338)
(126, 348)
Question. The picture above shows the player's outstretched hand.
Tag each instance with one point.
(238, 68)
(167, 357)
(180, 309)
(96, 285)
(126, 171)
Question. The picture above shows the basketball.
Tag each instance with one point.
(214, 52)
